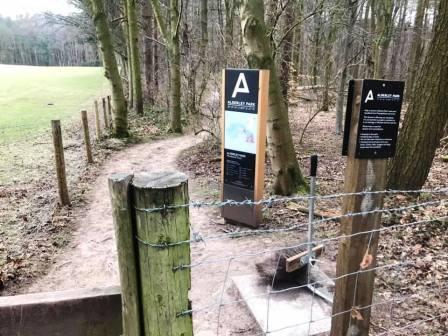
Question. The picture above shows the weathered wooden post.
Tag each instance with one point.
(153, 246)
(97, 121)
(60, 162)
(164, 289)
(109, 111)
(106, 120)
(119, 188)
(85, 127)
(373, 114)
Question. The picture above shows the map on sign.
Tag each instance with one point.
(241, 132)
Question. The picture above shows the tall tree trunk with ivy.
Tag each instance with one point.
(170, 34)
(427, 114)
(134, 56)
(288, 178)
(111, 69)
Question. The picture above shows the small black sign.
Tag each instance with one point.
(239, 169)
(241, 91)
(379, 119)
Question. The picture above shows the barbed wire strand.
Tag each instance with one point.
(321, 241)
(273, 200)
(290, 228)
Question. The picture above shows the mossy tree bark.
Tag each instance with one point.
(170, 34)
(111, 69)
(288, 177)
(427, 113)
(134, 55)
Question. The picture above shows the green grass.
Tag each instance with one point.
(32, 96)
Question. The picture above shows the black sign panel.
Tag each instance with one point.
(241, 91)
(240, 127)
(239, 169)
(379, 119)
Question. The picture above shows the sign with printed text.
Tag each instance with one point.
(244, 132)
(379, 119)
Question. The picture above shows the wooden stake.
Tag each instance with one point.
(109, 111)
(97, 121)
(106, 119)
(85, 126)
(164, 289)
(60, 162)
(356, 291)
(119, 189)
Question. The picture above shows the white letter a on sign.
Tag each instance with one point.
(369, 96)
(241, 85)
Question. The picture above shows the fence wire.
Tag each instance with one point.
(197, 237)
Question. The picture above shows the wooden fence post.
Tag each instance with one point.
(164, 288)
(85, 127)
(119, 188)
(109, 111)
(97, 121)
(354, 292)
(106, 121)
(60, 162)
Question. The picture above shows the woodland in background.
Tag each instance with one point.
(168, 55)
(39, 40)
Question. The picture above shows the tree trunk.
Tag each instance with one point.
(170, 34)
(148, 29)
(111, 69)
(230, 14)
(286, 52)
(328, 62)
(288, 178)
(416, 47)
(427, 114)
(129, 64)
(384, 12)
(134, 55)
(351, 7)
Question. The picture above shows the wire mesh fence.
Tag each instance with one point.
(410, 293)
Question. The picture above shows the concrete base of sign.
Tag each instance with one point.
(289, 313)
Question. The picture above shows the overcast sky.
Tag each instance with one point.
(12, 8)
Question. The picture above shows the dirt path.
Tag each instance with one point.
(91, 260)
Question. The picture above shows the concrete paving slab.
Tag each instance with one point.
(289, 312)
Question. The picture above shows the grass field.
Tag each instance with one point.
(31, 96)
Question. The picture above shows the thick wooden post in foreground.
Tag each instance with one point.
(85, 127)
(109, 111)
(164, 289)
(354, 292)
(119, 188)
(106, 119)
(154, 285)
(60, 162)
(97, 121)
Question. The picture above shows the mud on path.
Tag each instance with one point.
(91, 259)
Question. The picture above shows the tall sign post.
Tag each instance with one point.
(244, 104)
(370, 137)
